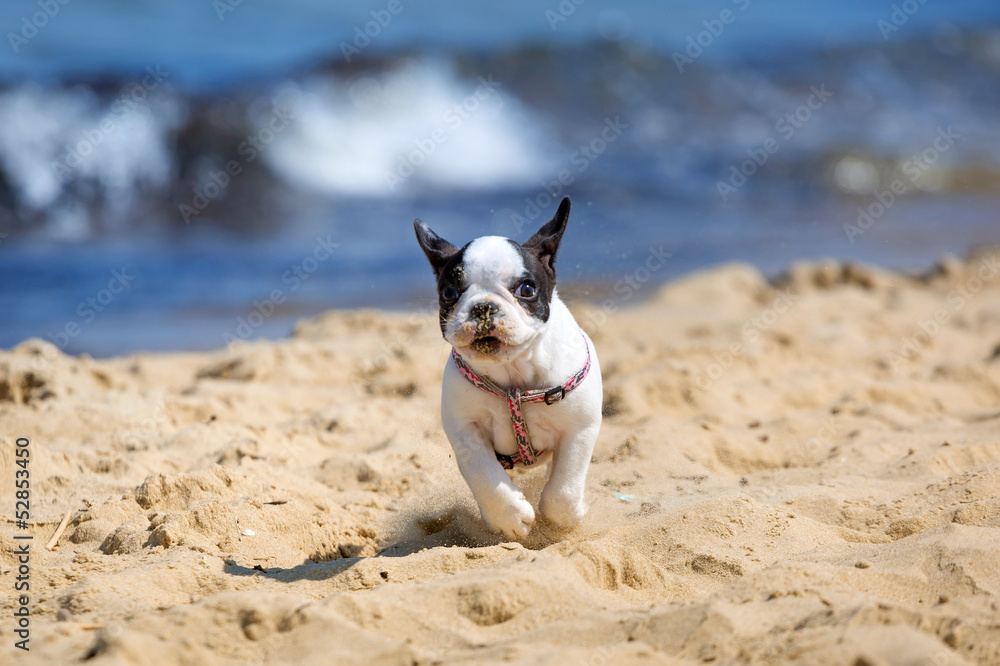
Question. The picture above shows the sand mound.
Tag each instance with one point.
(803, 471)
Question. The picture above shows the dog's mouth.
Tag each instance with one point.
(487, 345)
(486, 340)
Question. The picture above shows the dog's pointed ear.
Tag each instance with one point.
(437, 249)
(545, 243)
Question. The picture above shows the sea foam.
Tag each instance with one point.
(414, 126)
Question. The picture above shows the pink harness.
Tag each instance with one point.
(526, 453)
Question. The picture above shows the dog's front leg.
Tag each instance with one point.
(502, 504)
(563, 501)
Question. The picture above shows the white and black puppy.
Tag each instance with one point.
(523, 383)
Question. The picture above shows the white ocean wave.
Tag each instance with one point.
(56, 143)
(416, 125)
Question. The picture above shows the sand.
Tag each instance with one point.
(798, 471)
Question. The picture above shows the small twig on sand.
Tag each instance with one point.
(59, 530)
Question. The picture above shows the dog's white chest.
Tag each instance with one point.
(542, 421)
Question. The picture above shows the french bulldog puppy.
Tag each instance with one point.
(523, 383)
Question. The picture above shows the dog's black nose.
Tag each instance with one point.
(483, 312)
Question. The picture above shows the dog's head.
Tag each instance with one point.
(495, 294)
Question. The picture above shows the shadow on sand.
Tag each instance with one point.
(457, 526)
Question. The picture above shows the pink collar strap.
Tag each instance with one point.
(526, 453)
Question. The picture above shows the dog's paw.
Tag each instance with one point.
(509, 514)
(564, 511)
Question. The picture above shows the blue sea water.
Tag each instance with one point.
(223, 153)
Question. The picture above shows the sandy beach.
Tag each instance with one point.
(801, 471)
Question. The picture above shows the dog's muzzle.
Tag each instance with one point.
(483, 315)
(486, 321)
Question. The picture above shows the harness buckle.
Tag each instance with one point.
(555, 395)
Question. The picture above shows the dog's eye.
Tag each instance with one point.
(449, 294)
(526, 290)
